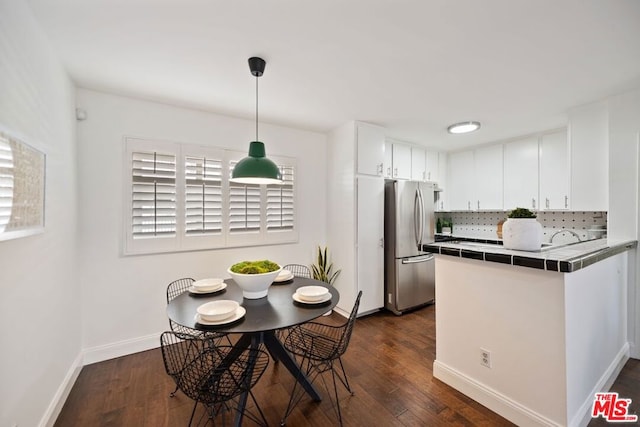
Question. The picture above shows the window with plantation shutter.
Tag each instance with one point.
(153, 194)
(280, 202)
(6, 183)
(203, 196)
(179, 198)
(244, 206)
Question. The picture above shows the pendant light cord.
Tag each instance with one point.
(257, 108)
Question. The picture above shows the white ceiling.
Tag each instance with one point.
(412, 66)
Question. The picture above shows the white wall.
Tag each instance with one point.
(624, 193)
(40, 302)
(124, 297)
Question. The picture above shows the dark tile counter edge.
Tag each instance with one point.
(565, 266)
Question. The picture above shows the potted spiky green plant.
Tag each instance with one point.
(323, 269)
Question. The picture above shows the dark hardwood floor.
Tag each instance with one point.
(389, 362)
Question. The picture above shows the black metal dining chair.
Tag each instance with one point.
(298, 270)
(319, 348)
(214, 376)
(178, 287)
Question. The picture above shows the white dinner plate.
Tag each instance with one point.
(283, 278)
(325, 298)
(194, 290)
(240, 312)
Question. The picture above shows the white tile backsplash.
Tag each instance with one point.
(484, 224)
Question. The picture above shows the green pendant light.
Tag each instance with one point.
(256, 168)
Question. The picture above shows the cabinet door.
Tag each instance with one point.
(554, 171)
(488, 182)
(370, 242)
(432, 164)
(521, 174)
(418, 164)
(460, 182)
(401, 161)
(388, 161)
(370, 149)
(442, 202)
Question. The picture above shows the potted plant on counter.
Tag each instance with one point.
(522, 231)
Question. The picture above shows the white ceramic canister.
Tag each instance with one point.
(523, 234)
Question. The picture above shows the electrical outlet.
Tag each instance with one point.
(485, 357)
(389, 298)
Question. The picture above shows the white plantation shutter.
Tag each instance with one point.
(153, 195)
(179, 197)
(6, 183)
(280, 202)
(203, 196)
(244, 206)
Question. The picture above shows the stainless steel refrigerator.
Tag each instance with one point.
(408, 224)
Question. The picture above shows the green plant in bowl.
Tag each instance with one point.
(254, 267)
(521, 213)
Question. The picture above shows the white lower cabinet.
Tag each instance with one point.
(370, 242)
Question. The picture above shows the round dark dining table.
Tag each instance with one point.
(262, 318)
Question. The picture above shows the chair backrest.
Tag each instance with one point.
(298, 270)
(177, 287)
(196, 365)
(348, 327)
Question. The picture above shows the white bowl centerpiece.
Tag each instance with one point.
(254, 277)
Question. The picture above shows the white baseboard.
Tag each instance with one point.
(583, 416)
(492, 399)
(60, 397)
(121, 348)
(520, 414)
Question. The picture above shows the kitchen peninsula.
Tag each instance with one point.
(532, 335)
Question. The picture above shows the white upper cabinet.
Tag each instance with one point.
(418, 164)
(442, 202)
(401, 161)
(589, 139)
(432, 166)
(521, 174)
(387, 166)
(461, 175)
(554, 171)
(370, 149)
(488, 182)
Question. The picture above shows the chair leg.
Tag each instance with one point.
(335, 391)
(173, 393)
(344, 380)
(193, 412)
(306, 368)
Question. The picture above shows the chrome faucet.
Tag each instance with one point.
(563, 231)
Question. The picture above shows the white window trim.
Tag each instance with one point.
(181, 242)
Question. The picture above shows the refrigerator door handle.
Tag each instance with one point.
(417, 259)
(416, 217)
(421, 219)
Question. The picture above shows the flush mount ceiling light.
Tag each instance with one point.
(464, 127)
(256, 168)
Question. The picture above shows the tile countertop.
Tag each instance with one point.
(561, 258)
